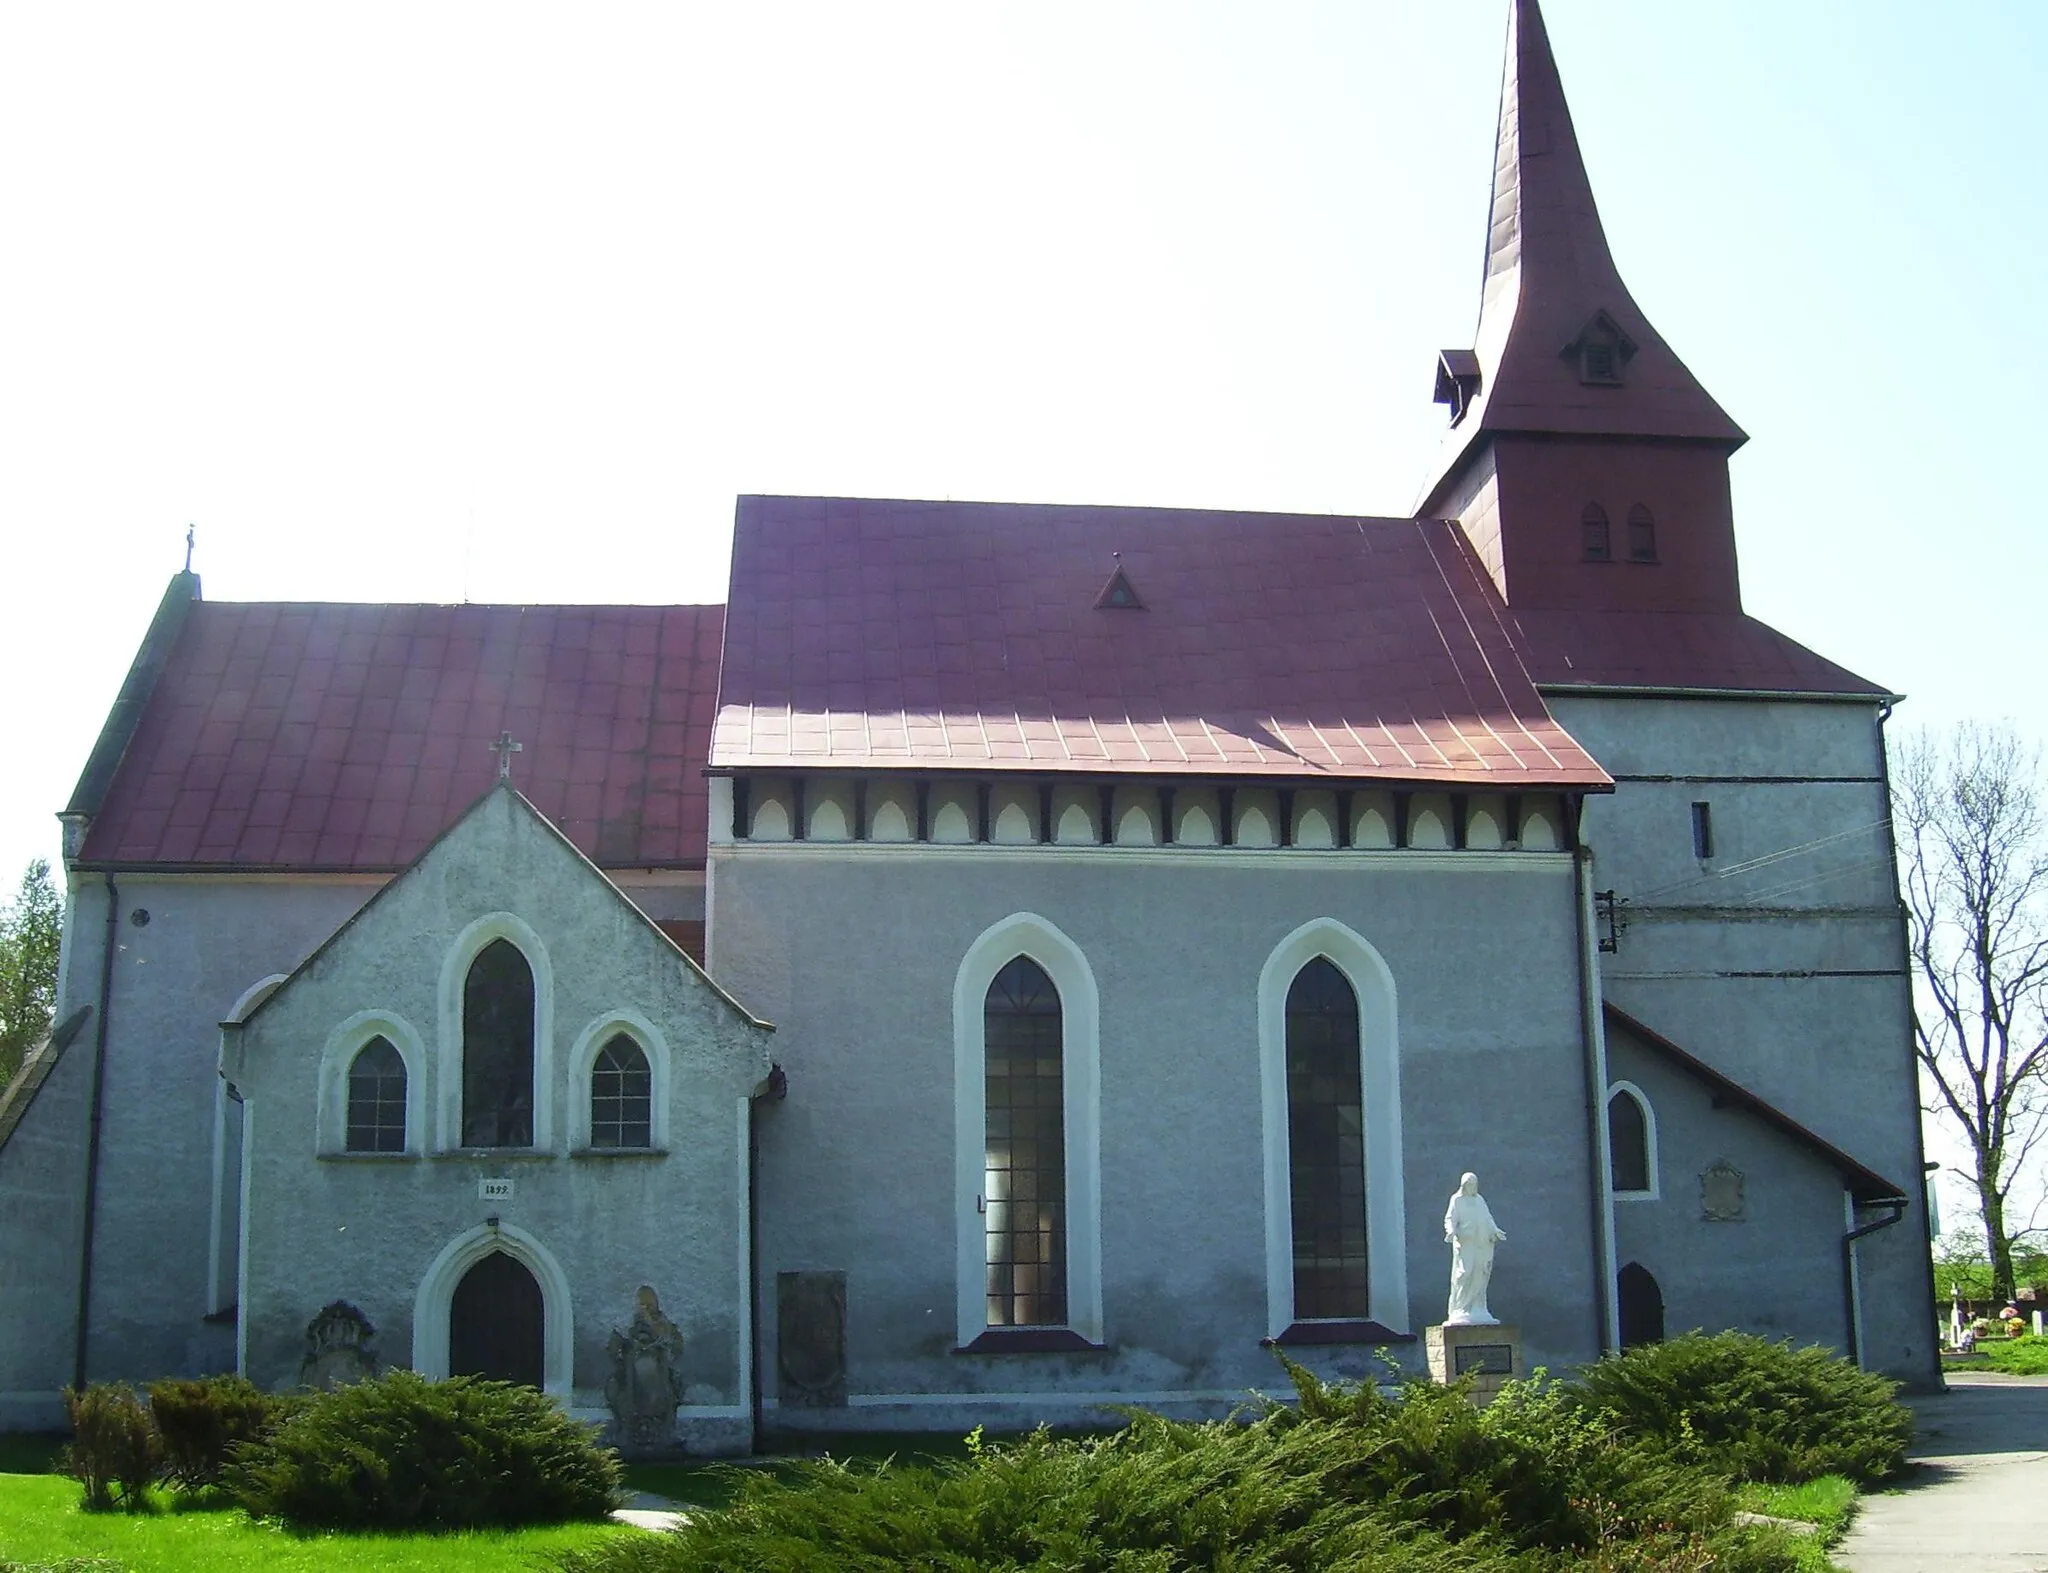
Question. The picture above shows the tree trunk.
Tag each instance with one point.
(2002, 1285)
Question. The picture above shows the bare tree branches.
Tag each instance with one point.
(1973, 836)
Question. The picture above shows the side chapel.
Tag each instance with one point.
(1008, 960)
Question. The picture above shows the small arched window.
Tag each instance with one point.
(621, 1096)
(1629, 1144)
(1642, 535)
(1326, 1145)
(1025, 1160)
(376, 1099)
(1596, 544)
(497, 1049)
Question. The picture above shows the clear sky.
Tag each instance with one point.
(508, 302)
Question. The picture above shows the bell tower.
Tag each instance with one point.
(1586, 464)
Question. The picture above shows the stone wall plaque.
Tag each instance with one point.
(810, 1339)
(338, 1348)
(1721, 1192)
(494, 1190)
(1483, 1359)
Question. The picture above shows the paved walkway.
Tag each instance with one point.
(1979, 1499)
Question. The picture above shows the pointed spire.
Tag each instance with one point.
(1561, 345)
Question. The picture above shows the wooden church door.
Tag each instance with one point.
(497, 1326)
(1641, 1306)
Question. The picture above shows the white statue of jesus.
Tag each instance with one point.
(1472, 1233)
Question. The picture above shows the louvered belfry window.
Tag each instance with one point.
(621, 1096)
(1025, 1153)
(376, 1099)
(1596, 544)
(1642, 535)
(1325, 1145)
(497, 1049)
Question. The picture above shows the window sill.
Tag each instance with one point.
(369, 1157)
(1635, 1196)
(1030, 1341)
(618, 1152)
(1345, 1332)
(497, 1154)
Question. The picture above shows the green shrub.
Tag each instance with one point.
(1420, 1482)
(114, 1449)
(1752, 1409)
(204, 1420)
(400, 1452)
(2024, 1356)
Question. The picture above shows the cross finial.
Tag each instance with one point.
(190, 531)
(505, 748)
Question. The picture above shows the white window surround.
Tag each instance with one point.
(437, 1295)
(583, 1057)
(338, 1057)
(1642, 1100)
(1027, 934)
(469, 944)
(1379, 1053)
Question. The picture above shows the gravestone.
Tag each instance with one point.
(810, 1339)
(646, 1381)
(338, 1348)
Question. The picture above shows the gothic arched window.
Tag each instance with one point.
(1630, 1146)
(1025, 1159)
(621, 1096)
(497, 1049)
(1325, 1145)
(1596, 545)
(376, 1099)
(1642, 535)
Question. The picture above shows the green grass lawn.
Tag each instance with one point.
(1828, 1503)
(41, 1524)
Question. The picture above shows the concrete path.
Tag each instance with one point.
(645, 1510)
(1978, 1502)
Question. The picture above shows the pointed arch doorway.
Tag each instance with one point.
(1641, 1306)
(497, 1323)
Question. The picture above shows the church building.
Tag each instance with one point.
(1008, 960)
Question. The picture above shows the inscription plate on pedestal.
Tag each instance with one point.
(1486, 1359)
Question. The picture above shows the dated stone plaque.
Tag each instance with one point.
(1721, 1188)
(1485, 1359)
(810, 1339)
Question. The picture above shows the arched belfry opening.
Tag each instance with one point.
(1642, 1306)
(497, 1323)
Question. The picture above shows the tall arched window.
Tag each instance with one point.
(621, 1096)
(376, 1099)
(1631, 1144)
(1326, 1145)
(1595, 544)
(497, 1049)
(1025, 1149)
(1642, 535)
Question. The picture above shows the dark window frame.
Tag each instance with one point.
(1596, 535)
(1703, 831)
(1024, 1155)
(621, 1094)
(374, 1120)
(1326, 1146)
(1642, 535)
(499, 1048)
(1630, 1164)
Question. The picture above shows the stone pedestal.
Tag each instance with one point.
(1489, 1355)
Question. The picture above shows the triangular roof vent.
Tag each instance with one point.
(1119, 594)
(1601, 350)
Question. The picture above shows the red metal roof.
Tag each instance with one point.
(1548, 273)
(1692, 650)
(321, 736)
(879, 634)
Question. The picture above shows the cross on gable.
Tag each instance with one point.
(505, 748)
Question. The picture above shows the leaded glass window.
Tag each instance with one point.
(621, 1096)
(1628, 1142)
(376, 1099)
(1325, 1145)
(1025, 1168)
(497, 1049)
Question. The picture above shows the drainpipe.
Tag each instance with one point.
(1931, 1312)
(1850, 1297)
(1592, 1028)
(92, 1140)
(774, 1088)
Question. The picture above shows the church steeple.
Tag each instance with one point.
(1562, 354)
